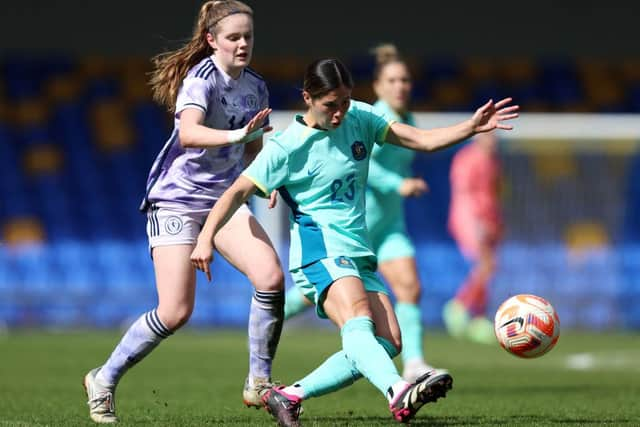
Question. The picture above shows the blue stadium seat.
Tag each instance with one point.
(598, 316)
(633, 96)
(63, 315)
(101, 88)
(7, 281)
(12, 315)
(436, 69)
(361, 67)
(35, 273)
(283, 94)
(76, 262)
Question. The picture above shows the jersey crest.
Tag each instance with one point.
(358, 150)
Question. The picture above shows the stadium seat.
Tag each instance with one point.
(70, 188)
(112, 126)
(43, 159)
(23, 231)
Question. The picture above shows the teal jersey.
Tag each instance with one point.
(322, 176)
(390, 164)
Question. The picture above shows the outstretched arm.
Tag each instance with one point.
(486, 118)
(225, 207)
(193, 134)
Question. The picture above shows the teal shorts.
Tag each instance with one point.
(314, 279)
(391, 241)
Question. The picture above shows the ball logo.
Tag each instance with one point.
(358, 150)
(173, 225)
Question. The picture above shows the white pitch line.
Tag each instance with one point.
(609, 360)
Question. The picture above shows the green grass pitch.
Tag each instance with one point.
(195, 379)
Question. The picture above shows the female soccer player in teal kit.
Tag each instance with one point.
(319, 165)
(389, 183)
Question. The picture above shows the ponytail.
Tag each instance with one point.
(170, 68)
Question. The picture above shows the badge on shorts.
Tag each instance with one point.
(358, 150)
(173, 225)
(344, 262)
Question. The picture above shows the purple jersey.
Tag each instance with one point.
(192, 179)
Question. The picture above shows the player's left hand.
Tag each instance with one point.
(490, 116)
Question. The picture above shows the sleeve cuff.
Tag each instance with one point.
(261, 187)
(190, 105)
(386, 131)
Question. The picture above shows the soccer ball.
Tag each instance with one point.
(527, 326)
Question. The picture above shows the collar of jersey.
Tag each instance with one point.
(307, 131)
(226, 78)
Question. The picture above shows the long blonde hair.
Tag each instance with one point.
(170, 68)
(385, 54)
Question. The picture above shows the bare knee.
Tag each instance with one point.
(407, 290)
(269, 279)
(361, 308)
(176, 316)
(402, 276)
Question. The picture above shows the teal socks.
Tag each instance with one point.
(409, 319)
(294, 303)
(368, 356)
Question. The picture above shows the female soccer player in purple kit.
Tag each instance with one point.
(221, 110)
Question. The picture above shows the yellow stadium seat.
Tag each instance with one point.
(581, 236)
(20, 231)
(450, 93)
(601, 82)
(135, 88)
(43, 159)
(630, 70)
(550, 166)
(112, 126)
(518, 70)
(363, 91)
(97, 66)
(287, 68)
(30, 112)
(134, 77)
(603, 92)
(63, 88)
(480, 69)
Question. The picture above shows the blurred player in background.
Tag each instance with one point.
(475, 222)
(320, 164)
(219, 105)
(390, 182)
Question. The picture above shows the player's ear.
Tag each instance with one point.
(211, 40)
(306, 96)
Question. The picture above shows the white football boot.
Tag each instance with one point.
(101, 399)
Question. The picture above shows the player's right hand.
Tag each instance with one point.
(258, 121)
(273, 199)
(413, 187)
(201, 257)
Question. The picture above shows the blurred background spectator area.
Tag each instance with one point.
(79, 131)
(77, 138)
